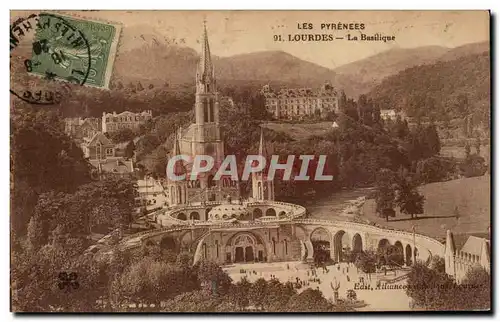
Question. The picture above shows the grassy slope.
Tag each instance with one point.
(300, 131)
(470, 195)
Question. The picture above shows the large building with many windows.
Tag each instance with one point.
(112, 122)
(289, 103)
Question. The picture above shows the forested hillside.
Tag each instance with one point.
(443, 91)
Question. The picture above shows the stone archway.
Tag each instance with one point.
(182, 216)
(194, 215)
(357, 244)
(382, 249)
(397, 255)
(245, 247)
(409, 257)
(341, 246)
(383, 243)
(271, 212)
(321, 243)
(257, 213)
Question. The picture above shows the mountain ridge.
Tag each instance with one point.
(149, 59)
(373, 69)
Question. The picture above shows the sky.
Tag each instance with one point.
(239, 32)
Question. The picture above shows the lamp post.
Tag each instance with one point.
(414, 247)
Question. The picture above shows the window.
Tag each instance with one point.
(205, 111)
(211, 109)
(109, 151)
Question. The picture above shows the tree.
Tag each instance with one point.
(366, 262)
(277, 295)
(438, 264)
(38, 135)
(432, 141)
(309, 300)
(213, 278)
(462, 105)
(103, 205)
(434, 169)
(146, 144)
(200, 301)
(391, 255)
(411, 202)
(122, 135)
(400, 128)
(429, 289)
(129, 149)
(385, 194)
(473, 166)
(467, 149)
(240, 293)
(343, 101)
(478, 145)
(408, 199)
(258, 293)
(476, 291)
(258, 109)
(150, 282)
(432, 289)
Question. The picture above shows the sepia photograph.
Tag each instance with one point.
(250, 161)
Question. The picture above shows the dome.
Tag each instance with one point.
(228, 212)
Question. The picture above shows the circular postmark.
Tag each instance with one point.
(48, 55)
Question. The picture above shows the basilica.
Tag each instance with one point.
(204, 137)
(209, 218)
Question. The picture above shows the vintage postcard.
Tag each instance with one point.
(250, 161)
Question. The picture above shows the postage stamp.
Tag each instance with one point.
(78, 50)
(47, 48)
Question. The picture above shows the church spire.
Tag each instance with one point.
(177, 149)
(205, 69)
(179, 168)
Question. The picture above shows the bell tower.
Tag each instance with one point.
(262, 187)
(177, 189)
(203, 137)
